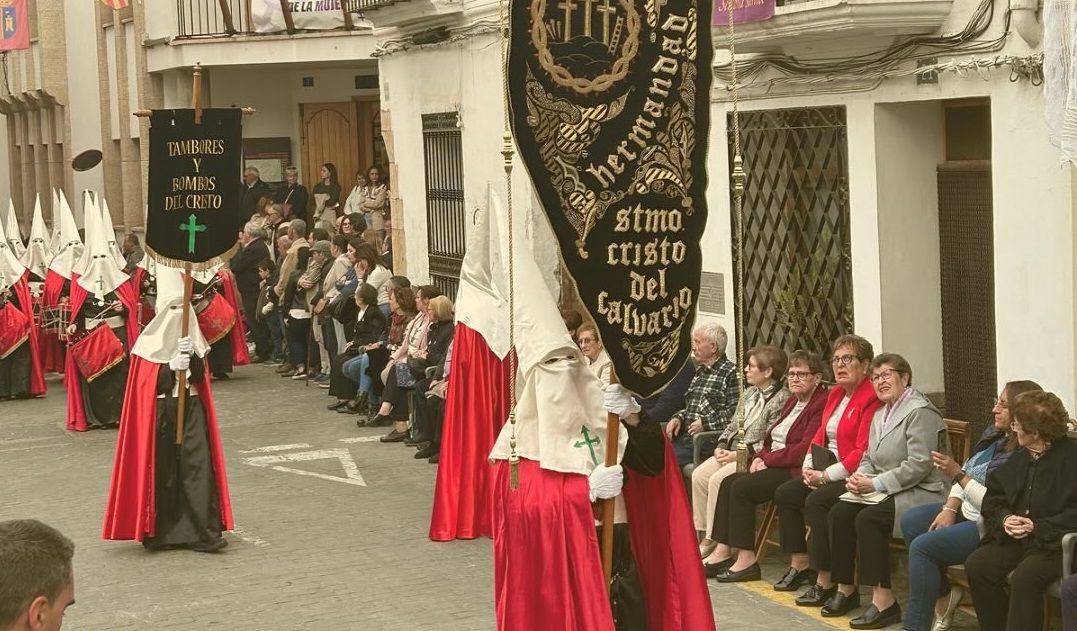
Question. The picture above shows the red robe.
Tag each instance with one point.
(37, 373)
(475, 410)
(52, 350)
(76, 411)
(547, 563)
(238, 335)
(131, 512)
(147, 312)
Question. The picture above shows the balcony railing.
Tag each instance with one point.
(225, 18)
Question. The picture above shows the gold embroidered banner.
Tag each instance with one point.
(610, 103)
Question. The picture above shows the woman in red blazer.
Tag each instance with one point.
(784, 446)
(843, 432)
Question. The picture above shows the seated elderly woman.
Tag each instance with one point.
(761, 402)
(597, 358)
(941, 535)
(1031, 501)
(836, 451)
(784, 445)
(429, 368)
(350, 379)
(896, 474)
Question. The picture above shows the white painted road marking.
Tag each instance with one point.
(249, 537)
(272, 448)
(351, 470)
(361, 439)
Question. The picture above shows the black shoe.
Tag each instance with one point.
(380, 421)
(872, 618)
(221, 376)
(258, 359)
(394, 437)
(816, 596)
(714, 569)
(750, 573)
(794, 579)
(433, 459)
(415, 440)
(215, 545)
(337, 405)
(840, 604)
(426, 452)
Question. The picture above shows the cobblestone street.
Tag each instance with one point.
(319, 544)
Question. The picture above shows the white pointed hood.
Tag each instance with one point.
(97, 269)
(560, 416)
(159, 340)
(38, 251)
(11, 229)
(110, 231)
(11, 270)
(66, 243)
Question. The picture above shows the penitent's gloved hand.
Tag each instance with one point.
(606, 482)
(184, 345)
(619, 401)
(180, 363)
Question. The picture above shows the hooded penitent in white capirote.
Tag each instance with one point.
(159, 341)
(110, 231)
(66, 244)
(38, 253)
(11, 229)
(560, 416)
(11, 270)
(97, 270)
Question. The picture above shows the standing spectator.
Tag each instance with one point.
(326, 193)
(1031, 501)
(388, 243)
(662, 406)
(352, 225)
(253, 250)
(573, 320)
(253, 191)
(260, 218)
(269, 323)
(335, 279)
(132, 252)
(712, 396)
(293, 198)
(376, 204)
(308, 284)
(294, 263)
(354, 203)
(37, 582)
(273, 219)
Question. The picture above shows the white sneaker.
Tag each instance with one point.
(946, 620)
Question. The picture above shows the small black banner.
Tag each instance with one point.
(610, 103)
(193, 212)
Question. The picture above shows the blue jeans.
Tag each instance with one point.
(276, 334)
(930, 553)
(355, 369)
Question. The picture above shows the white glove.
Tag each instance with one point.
(184, 345)
(606, 482)
(266, 310)
(180, 363)
(619, 401)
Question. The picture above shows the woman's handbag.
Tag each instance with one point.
(404, 376)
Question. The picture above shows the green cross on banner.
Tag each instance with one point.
(589, 442)
(192, 227)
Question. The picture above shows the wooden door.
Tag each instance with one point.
(331, 133)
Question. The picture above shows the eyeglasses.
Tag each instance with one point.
(587, 340)
(883, 375)
(798, 375)
(843, 360)
(1000, 404)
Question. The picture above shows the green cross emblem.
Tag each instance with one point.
(192, 228)
(588, 441)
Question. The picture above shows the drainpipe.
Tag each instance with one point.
(1023, 14)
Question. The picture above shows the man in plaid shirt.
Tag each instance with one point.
(711, 400)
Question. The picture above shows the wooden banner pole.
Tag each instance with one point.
(613, 428)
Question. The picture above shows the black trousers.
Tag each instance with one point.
(740, 493)
(799, 505)
(1069, 603)
(865, 529)
(397, 395)
(258, 329)
(1033, 570)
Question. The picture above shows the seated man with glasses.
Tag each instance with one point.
(711, 400)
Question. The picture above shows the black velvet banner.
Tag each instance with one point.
(610, 103)
(193, 213)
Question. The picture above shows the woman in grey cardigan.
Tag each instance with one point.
(896, 474)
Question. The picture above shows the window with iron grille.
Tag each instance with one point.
(445, 217)
(797, 271)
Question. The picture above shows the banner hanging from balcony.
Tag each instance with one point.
(193, 214)
(267, 16)
(744, 11)
(14, 25)
(610, 111)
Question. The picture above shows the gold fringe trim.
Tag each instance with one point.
(16, 346)
(168, 261)
(226, 333)
(105, 369)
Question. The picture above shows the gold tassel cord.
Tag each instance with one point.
(738, 179)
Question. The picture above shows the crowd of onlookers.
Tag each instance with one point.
(854, 468)
(323, 305)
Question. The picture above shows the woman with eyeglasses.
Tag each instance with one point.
(943, 534)
(896, 474)
(838, 446)
(1031, 501)
(597, 357)
(784, 445)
